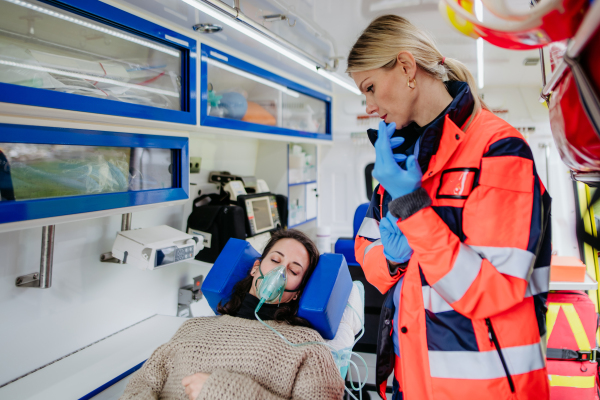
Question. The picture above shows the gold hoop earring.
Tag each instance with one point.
(414, 81)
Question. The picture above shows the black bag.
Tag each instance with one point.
(217, 224)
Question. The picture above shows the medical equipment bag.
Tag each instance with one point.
(217, 224)
(572, 367)
(575, 109)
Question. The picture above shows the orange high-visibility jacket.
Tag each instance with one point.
(480, 271)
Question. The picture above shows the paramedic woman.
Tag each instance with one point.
(457, 232)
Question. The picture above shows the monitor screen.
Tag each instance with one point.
(262, 213)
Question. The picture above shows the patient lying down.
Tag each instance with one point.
(234, 356)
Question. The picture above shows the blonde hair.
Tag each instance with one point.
(381, 42)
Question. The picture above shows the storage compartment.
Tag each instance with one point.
(51, 172)
(239, 95)
(48, 47)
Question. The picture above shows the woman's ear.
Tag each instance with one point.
(254, 267)
(407, 63)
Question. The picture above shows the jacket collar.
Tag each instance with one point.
(458, 111)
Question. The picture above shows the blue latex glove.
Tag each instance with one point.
(394, 142)
(396, 181)
(395, 244)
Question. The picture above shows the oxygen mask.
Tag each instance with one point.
(272, 285)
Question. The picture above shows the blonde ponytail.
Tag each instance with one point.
(387, 36)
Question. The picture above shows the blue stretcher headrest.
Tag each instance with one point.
(323, 300)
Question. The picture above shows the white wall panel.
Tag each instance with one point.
(90, 300)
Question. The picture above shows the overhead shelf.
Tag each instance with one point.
(588, 284)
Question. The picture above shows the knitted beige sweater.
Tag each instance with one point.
(245, 360)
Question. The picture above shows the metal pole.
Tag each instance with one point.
(42, 279)
(47, 256)
(543, 64)
(126, 222)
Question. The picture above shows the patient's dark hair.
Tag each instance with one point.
(286, 311)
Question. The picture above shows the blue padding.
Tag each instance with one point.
(326, 294)
(359, 215)
(323, 300)
(346, 248)
(233, 265)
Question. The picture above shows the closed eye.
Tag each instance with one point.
(370, 89)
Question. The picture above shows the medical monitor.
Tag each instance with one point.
(261, 213)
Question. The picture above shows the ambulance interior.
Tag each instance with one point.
(119, 115)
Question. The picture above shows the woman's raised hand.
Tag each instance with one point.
(396, 181)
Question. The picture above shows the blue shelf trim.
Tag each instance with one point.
(112, 382)
(227, 123)
(302, 223)
(14, 211)
(302, 183)
(111, 16)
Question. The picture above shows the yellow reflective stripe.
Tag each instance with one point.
(551, 317)
(580, 382)
(576, 326)
(574, 322)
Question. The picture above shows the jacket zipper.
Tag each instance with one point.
(494, 339)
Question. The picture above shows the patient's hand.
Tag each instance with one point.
(193, 384)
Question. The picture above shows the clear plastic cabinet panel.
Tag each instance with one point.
(41, 176)
(238, 95)
(36, 171)
(47, 47)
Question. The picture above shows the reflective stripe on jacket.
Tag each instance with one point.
(473, 298)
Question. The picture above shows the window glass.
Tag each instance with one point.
(36, 171)
(45, 47)
(240, 95)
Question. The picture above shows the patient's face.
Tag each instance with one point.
(293, 255)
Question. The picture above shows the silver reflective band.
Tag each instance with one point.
(457, 281)
(433, 301)
(376, 243)
(486, 364)
(508, 260)
(539, 281)
(370, 229)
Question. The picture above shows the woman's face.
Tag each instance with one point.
(289, 253)
(387, 93)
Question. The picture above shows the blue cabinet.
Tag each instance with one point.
(50, 172)
(84, 55)
(239, 95)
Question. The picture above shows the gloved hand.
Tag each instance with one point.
(395, 244)
(396, 181)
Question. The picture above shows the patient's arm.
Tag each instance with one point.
(148, 381)
(318, 378)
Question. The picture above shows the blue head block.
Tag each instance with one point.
(323, 300)
(233, 265)
(326, 294)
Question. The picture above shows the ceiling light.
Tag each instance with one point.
(268, 42)
(530, 61)
(479, 15)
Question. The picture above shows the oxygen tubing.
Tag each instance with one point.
(361, 383)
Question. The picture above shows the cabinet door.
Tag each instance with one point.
(311, 201)
(51, 172)
(239, 95)
(79, 62)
